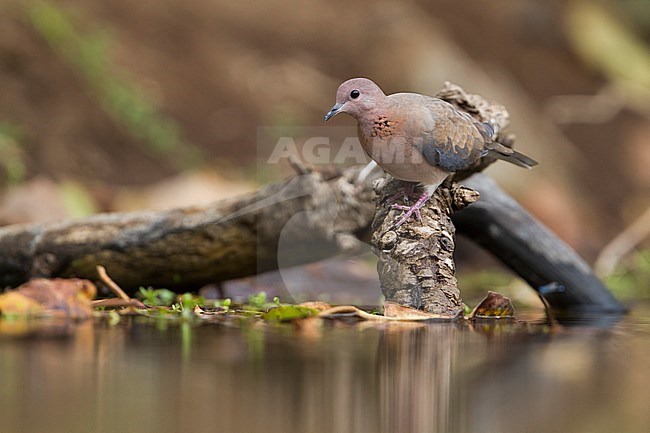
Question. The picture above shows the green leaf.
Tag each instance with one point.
(157, 297)
(285, 313)
(257, 301)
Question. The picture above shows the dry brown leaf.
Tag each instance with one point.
(493, 306)
(65, 297)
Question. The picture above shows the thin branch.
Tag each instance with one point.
(112, 285)
(622, 244)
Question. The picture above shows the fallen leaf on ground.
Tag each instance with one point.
(63, 297)
(493, 306)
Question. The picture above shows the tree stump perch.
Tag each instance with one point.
(416, 264)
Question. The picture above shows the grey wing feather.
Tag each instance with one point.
(451, 158)
(486, 130)
(456, 140)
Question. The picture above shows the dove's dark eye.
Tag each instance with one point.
(354, 94)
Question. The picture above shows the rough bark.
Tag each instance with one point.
(302, 220)
(416, 264)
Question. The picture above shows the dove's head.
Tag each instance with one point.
(356, 97)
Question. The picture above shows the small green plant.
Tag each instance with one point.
(257, 301)
(188, 302)
(224, 304)
(156, 297)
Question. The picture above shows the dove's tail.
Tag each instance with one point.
(512, 156)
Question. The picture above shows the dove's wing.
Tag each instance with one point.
(453, 140)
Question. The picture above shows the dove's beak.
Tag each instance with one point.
(335, 109)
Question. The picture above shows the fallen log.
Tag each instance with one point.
(305, 219)
(302, 220)
(501, 226)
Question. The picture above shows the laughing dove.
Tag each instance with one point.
(418, 138)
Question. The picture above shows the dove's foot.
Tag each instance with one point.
(415, 209)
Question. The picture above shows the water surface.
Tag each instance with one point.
(327, 376)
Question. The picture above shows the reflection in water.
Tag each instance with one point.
(326, 376)
(415, 373)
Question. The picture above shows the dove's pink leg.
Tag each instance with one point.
(415, 209)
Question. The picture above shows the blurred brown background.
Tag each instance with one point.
(120, 105)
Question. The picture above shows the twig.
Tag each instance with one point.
(111, 284)
(622, 244)
(123, 300)
(414, 316)
(115, 303)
